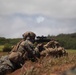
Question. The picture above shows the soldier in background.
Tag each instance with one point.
(19, 54)
(53, 48)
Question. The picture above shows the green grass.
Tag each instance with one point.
(1, 47)
(71, 51)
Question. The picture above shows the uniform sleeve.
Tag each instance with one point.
(27, 46)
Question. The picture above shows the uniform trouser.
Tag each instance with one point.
(5, 69)
(6, 65)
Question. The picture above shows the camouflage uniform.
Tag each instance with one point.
(49, 44)
(49, 49)
(53, 48)
(17, 56)
(25, 49)
(39, 48)
(5, 65)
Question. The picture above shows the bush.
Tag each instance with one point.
(7, 48)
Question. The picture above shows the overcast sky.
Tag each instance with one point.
(40, 16)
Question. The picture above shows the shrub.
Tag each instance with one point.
(7, 47)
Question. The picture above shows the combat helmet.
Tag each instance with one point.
(30, 35)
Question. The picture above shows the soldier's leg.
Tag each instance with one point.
(5, 69)
(6, 65)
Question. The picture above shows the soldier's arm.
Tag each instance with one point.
(29, 48)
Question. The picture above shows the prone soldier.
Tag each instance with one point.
(19, 54)
(53, 48)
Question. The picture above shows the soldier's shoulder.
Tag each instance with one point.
(26, 42)
(23, 43)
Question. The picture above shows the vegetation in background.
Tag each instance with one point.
(11, 41)
(7, 47)
(68, 41)
(1, 47)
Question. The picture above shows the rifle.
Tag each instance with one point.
(41, 39)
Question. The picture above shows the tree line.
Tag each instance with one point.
(68, 41)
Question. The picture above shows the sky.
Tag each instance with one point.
(43, 17)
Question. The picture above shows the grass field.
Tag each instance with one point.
(1, 47)
(71, 51)
(48, 65)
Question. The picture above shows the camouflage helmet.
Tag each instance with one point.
(29, 34)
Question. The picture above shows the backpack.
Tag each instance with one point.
(15, 48)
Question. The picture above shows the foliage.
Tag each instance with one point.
(7, 47)
(68, 41)
(11, 41)
(1, 47)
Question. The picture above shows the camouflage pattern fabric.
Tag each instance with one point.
(5, 60)
(48, 51)
(38, 49)
(28, 47)
(49, 44)
(29, 34)
(25, 50)
(37, 53)
(54, 49)
(6, 65)
(15, 48)
(15, 56)
(5, 69)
